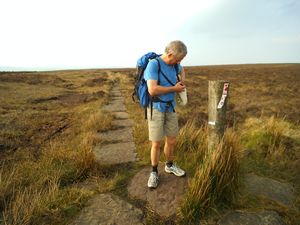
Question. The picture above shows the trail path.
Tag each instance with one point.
(119, 147)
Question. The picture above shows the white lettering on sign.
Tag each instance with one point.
(224, 95)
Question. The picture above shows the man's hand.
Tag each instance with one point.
(179, 87)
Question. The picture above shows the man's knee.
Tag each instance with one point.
(156, 145)
(171, 140)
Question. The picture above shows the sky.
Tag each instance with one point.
(79, 34)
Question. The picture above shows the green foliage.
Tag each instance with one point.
(266, 137)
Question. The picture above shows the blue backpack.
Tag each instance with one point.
(140, 84)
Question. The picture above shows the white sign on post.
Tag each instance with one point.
(224, 95)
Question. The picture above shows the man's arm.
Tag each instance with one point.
(155, 89)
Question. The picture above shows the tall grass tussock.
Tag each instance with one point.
(215, 180)
(191, 145)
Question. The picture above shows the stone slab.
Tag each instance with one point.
(116, 153)
(108, 209)
(116, 88)
(114, 107)
(123, 123)
(115, 93)
(120, 98)
(165, 199)
(282, 193)
(120, 115)
(117, 101)
(251, 218)
(120, 135)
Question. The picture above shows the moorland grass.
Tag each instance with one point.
(215, 181)
(38, 188)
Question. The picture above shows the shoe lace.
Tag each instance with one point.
(176, 167)
(154, 177)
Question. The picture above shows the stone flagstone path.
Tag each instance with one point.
(119, 145)
(165, 199)
(109, 209)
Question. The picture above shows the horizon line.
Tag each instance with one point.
(49, 69)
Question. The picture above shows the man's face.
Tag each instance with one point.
(173, 60)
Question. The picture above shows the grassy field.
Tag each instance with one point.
(49, 121)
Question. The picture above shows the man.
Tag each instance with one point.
(163, 122)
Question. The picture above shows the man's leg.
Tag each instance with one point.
(169, 153)
(169, 148)
(155, 152)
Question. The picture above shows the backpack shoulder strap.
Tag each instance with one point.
(158, 72)
(177, 71)
(165, 76)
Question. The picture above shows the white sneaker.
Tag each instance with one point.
(175, 170)
(153, 180)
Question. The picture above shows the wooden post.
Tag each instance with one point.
(217, 102)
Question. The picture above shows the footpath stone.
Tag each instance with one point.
(115, 93)
(252, 218)
(120, 115)
(117, 98)
(119, 135)
(115, 106)
(165, 199)
(282, 193)
(123, 123)
(116, 153)
(116, 88)
(108, 209)
(120, 147)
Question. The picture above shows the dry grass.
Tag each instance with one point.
(191, 146)
(49, 147)
(268, 136)
(272, 150)
(48, 123)
(254, 89)
(215, 181)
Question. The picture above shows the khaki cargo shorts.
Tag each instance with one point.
(162, 124)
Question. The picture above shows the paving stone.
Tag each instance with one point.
(121, 115)
(165, 199)
(116, 88)
(282, 193)
(252, 218)
(114, 107)
(115, 93)
(120, 98)
(120, 135)
(116, 153)
(108, 209)
(123, 123)
(120, 102)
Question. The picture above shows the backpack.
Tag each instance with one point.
(140, 84)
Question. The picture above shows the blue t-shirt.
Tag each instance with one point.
(151, 73)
